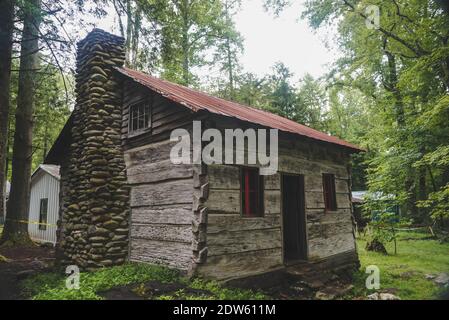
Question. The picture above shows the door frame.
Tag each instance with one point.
(284, 260)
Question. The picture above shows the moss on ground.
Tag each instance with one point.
(52, 286)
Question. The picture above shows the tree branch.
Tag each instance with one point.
(418, 51)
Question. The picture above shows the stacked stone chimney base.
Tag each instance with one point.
(94, 224)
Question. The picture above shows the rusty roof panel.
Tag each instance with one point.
(196, 100)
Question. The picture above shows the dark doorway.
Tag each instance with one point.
(294, 220)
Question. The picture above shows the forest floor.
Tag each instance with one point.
(18, 263)
(410, 274)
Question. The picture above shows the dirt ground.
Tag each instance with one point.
(21, 262)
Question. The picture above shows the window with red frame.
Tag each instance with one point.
(330, 198)
(251, 187)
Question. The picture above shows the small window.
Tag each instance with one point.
(139, 116)
(43, 214)
(252, 195)
(330, 199)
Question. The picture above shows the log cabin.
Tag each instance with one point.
(123, 199)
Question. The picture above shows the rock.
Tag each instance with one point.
(73, 207)
(383, 296)
(96, 231)
(408, 274)
(442, 279)
(98, 239)
(320, 295)
(111, 224)
(430, 276)
(344, 290)
(97, 181)
(315, 283)
(374, 296)
(376, 246)
(119, 237)
(97, 210)
(389, 296)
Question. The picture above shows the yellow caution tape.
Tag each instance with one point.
(32, 222)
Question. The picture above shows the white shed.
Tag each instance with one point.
(6, 195)
(44, 203)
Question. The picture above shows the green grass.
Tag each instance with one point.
(402, 274)
(51, 286)
(405, 272)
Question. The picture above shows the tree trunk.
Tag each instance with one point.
(135, 36)
(129, 32)
(6, 30)
(230, 69)
(409, 183)
(16, 226)
(422, 191)
(229, 55)
(45, 143)
(185, 43)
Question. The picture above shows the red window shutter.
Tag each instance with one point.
(330, 198)
(251, 192)
(247, 188)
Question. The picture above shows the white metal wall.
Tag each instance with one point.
(44, 186)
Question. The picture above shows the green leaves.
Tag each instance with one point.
(402, 70)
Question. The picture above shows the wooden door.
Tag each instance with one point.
(294, 220)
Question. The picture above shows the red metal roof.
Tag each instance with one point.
(197, 101)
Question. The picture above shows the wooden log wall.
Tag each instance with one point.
(328, 233)
(239, 247)
(162, 194)
(161, 203)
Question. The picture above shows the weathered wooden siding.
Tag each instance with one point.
(44, 186)
(161, 207)
(328, 233)
(165, 115)
(239, 247)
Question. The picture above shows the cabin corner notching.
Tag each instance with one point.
(219, 221)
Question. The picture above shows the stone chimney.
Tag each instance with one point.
(93, 227)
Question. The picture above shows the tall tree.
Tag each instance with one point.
(6, 33)
(228, 48)
(403, 63)
(16, 228)
(283, 96)
(51, 112)
(311, 103)
(189, 29)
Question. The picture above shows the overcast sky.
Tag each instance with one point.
(286, 38)
(268, 39)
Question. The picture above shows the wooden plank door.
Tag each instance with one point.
(294, 219)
